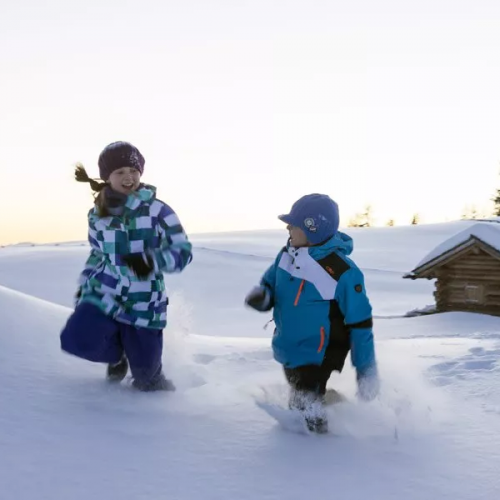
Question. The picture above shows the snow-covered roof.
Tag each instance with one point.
(488, 233)
(493, 218)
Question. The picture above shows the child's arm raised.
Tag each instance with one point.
(175, 251)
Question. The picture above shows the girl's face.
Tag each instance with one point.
(297, 237)
(125, 180)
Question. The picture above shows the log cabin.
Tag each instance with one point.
(466, 268)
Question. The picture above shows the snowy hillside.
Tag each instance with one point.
(64, 433)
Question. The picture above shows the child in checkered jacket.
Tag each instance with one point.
(121, 303)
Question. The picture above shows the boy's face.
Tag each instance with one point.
(297, 237)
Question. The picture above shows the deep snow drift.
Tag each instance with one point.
(64, 433)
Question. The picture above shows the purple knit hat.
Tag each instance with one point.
(117, 155)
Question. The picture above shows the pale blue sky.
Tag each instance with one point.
(240, 107)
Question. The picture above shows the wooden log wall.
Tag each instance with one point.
(478, 269)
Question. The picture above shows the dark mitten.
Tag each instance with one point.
(140, 263)
(259, 299)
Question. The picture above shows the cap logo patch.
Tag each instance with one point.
(310, 225)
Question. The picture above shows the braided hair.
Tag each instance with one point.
(96, 186)
(82, 176)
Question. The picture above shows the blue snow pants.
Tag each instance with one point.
(91, 335)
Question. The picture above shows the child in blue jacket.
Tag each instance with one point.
(321, 309)
(121, 303)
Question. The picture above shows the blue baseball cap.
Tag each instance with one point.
(317, 215)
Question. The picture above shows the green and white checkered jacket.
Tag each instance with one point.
(147, 227)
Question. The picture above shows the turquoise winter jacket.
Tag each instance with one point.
(319, 299)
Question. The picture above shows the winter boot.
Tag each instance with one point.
(159, 383)
(332, 397)
(315, 415)
(117, 372)
(310, 405)
(318, 425)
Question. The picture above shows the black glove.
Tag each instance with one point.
(140, 263)
(259, 299)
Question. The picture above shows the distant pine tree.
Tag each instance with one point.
(470, 212)
(364, 219)
(465, 213)
(496, 201)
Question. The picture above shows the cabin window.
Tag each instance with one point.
(473, 294)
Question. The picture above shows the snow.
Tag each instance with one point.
(64, 433)
(487, 231)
